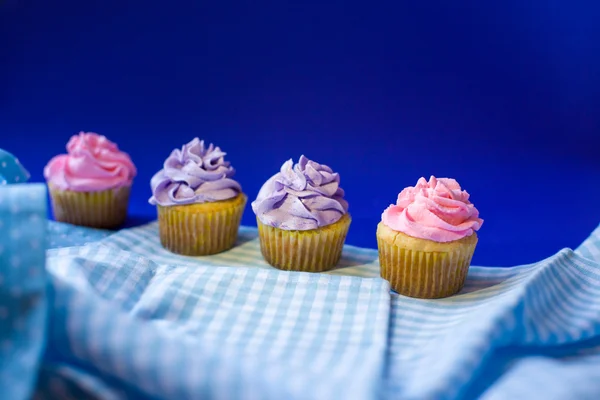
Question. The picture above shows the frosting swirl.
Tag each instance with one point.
(303, 196)
(92, 163)
(194, 174)
(437, 210)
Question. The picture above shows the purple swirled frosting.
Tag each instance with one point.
(303, 196)
(194, 174)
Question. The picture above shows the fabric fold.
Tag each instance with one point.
(448, 343)
(23, 298)
(130, 320)
(218, 333)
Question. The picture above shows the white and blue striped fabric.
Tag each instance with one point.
(126, 319)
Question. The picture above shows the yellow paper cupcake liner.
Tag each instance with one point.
(201, 229)
(315, 250)
(104, 209)
(423, 268)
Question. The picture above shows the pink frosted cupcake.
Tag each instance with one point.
(427, 239)
(90, 185)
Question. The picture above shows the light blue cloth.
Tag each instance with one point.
(130, 320)
(11, 170)
(23, 302)
(67, 235)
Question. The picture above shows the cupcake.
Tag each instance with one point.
(199, 205)
(427, 239)
(302, 217)
(90, 185)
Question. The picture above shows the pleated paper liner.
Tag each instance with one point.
(201, 229)
(314, 250)
(104, 209)
(423, 268)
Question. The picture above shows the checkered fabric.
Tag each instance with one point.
(127, 319)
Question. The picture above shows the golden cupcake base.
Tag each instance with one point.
(314, 250)
(104, 209)
(423, 268)
(201, 229)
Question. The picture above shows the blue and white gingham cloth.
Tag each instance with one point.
(120, 318)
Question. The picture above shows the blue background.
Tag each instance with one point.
(503, 96)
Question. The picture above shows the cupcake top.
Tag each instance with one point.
(303, 196)
(92, 163)
(437, 210)
(194, 174)
(11, 170)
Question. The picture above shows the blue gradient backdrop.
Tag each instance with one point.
(503, 96)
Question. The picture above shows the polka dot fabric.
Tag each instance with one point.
(11, 170)
(23, 305)
(67, 235)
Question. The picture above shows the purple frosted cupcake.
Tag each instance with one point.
(199, 204)
(302, 217)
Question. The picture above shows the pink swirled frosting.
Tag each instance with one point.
(93, 163)
(437, 210)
